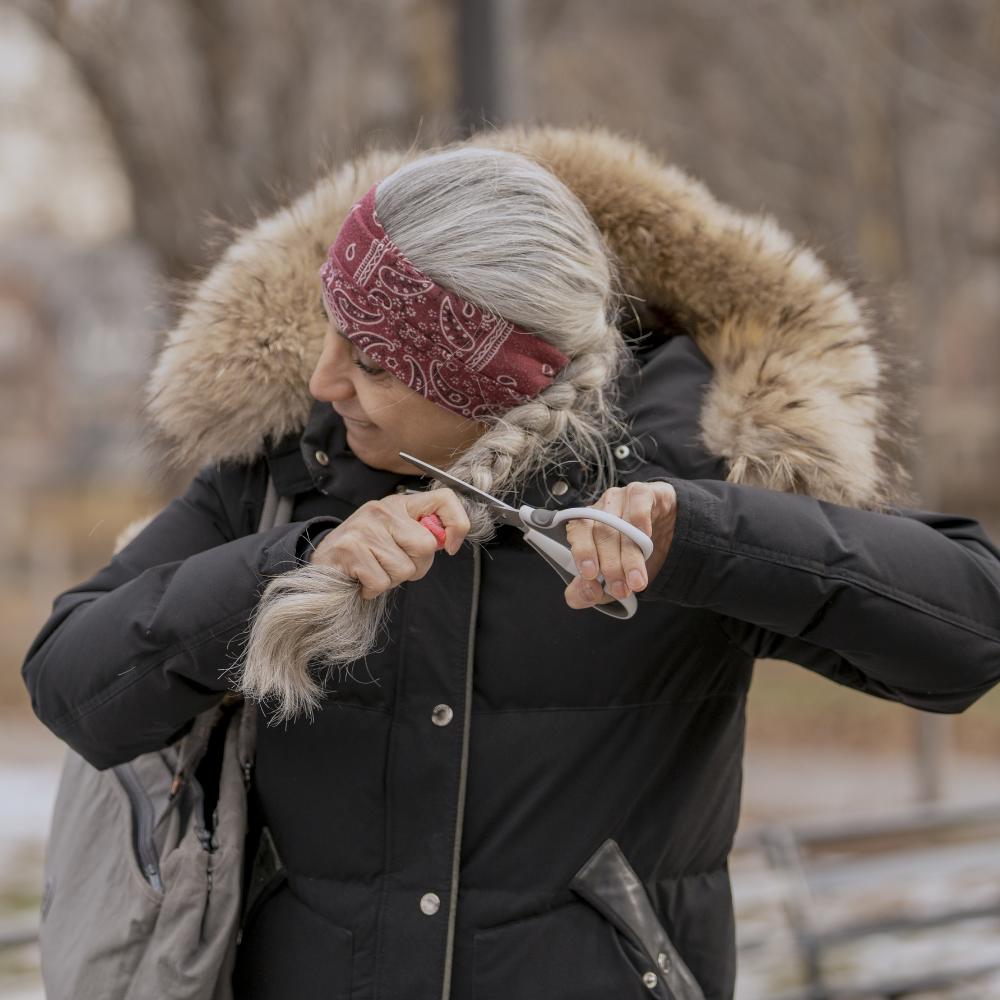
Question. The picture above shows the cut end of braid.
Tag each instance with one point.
(311, 617)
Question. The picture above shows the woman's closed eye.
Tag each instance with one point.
(357, 361)
(368, 369)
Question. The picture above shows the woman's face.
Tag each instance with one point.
(384, 417)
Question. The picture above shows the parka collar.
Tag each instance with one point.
(334, 469)
(797, 399)
(661, 399)
(322, 459)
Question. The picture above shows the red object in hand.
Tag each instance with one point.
(433, 524)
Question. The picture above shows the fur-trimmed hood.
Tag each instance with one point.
(798, 400)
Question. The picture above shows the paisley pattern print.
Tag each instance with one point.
(454, 353)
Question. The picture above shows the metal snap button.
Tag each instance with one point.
(442, 715)
(430, 903)
(649, 980)
(663, 962)
(322, 457)
(623, 451)
(559, 487)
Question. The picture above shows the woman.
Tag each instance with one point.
(512, 795)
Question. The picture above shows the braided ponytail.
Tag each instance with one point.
(506, 234)
(574, 417)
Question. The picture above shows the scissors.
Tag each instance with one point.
(545, 532)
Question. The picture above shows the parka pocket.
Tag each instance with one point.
(610, 885)
(289, 950)
(568, 953)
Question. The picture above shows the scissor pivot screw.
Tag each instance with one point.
(541, 518)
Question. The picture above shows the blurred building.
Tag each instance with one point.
(77, 332)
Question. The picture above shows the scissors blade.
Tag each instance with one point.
(505, 512)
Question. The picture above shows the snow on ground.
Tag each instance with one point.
(30, 762)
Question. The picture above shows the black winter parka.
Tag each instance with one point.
(513, 800)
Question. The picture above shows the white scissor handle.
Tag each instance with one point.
(630, 531)
(547, 535)
(560, 558)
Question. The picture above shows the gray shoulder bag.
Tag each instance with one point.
(143, 889)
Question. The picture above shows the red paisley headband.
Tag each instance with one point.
(462, 357)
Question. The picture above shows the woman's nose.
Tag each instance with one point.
(331, 378)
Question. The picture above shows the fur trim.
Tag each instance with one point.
(798, 401)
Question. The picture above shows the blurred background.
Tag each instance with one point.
(136, 135)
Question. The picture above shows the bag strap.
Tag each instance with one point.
(276, 510)
(265, 869)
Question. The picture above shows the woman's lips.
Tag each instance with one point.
(359, 424)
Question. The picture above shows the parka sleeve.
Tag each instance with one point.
(129, 657)
(904, 605)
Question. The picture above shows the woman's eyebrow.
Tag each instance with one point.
(336, 327)
(365, 358)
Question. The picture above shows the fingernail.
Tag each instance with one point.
(588, 566)
(635, 580)
(590, 593)
(619, 589)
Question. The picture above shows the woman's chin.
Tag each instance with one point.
(373, 455)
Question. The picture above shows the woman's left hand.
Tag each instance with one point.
(601, 550)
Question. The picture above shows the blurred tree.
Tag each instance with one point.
(222, 109)
(869, 129)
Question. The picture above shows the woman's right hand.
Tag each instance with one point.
(382, 544)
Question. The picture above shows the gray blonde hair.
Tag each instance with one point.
(505, 233)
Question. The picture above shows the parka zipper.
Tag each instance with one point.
(456, 857)
(143, 824)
